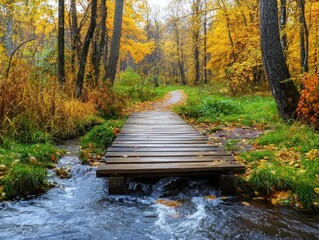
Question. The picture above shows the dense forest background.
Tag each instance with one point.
(67, 55)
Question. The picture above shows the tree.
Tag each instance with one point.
(74, 34)
(196, 33)
(115, 42)
(283, 23)
(283, 89)
(61, 64)
(85, 50)
(304, 37)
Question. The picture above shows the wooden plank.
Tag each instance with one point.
(105, 169)
(137, 160)
(160, 138)
(185, 142)
(153, 134)
(164, 154)
(152, 122)
(162, 149)
(141, 135)
(159, 145)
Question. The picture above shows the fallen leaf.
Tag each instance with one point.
(169, 203)
(245, 203)
(316, 190)
(210, 197)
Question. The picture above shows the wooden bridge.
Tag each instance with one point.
(159, 144)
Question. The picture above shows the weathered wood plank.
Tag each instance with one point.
(162, 149)
(137, 160)
(109, 169)
(164, 154)
(159, 145)
(167, 142)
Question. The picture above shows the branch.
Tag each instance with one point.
(11, 56)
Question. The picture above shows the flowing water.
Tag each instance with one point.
(80, 208)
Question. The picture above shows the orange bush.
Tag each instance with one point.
(308, 107)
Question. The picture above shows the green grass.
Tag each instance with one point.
(298, 136)
(99, 139)
(285, 157)
(217, 108)
(23, 167)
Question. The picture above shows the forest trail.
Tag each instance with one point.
(171, 99)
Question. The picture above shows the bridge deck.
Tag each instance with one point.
(155, 144)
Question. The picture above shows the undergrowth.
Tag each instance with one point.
(283, 165)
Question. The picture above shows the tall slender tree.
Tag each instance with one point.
(283, 23)
(196, 36)
(283, 89)
(74, 34)
(116, 40)
(61, 64)
(304, 37)
(85, 50)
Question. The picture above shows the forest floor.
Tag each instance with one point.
(282, 160)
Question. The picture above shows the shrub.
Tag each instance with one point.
(107, 102)
(31, 109)
(246, 77)
(308, 107)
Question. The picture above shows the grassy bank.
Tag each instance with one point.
(282, 164)
(36, 114)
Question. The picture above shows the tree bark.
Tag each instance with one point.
(283, 89)
(85, 50)
(180, 54)
(283, 23)
(196, 27)
(304, 38)
(102, 41)
(61, 64)
(116, 41)
(205, 43)
(74, 35)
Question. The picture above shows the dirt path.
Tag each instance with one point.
(171, 99)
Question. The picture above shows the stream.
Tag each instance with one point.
(80, 208)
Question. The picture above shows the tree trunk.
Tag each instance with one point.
(157, 53)
(283, 89)
(304, 38)
(205, 43)
(231, 41)
(9, 34)
(196, 26)
(85, 50)
(180, 55)
(74, 35)
(283, 23)
(116, 41)
(96, 54)
(61, 69)
(102, 40)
